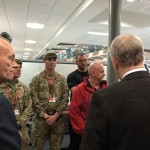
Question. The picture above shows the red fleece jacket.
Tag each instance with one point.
(80, 103)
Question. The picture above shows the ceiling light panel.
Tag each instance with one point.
(28, 49)
(131, 0)
(30, 41)
(98, 33)
(26, 56)
(26, 53)
(35, 25)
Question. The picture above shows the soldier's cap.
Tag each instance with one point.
(49, 56)
(6, 36)
(18, 61)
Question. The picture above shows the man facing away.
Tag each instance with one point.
(9, 135)
(119, 116)
(73, 79)
(49, 93)
(82, 96)
(19, 96)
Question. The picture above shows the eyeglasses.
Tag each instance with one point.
(112, 57)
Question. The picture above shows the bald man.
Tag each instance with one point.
(9, 135)
(82, 95)
(19, 97)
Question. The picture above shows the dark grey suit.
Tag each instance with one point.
(9, 136)
(119, 118)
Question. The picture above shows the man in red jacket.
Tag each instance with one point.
(82, 96)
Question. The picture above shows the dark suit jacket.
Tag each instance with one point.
(119, 118)
(9, 136)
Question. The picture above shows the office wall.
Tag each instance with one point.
(29, 69)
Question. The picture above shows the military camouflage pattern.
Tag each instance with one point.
(40, 95)
(41, 132)
(18, 61)
(20, 92)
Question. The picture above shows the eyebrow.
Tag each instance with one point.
(13, 56)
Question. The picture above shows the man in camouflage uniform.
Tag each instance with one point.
(49, 93)
(19, 96)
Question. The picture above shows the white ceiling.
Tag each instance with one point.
(68, 21)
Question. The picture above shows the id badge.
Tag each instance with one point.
(16, 111)
(52, 99)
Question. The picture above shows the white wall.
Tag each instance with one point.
(29, 69)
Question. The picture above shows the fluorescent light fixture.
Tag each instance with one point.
(30, 41)
(98, 33)
(131, 0)
(28, 49)
(35, 25)
(69, 20)
(46, 45)
(26, 56)
(26, 53)
(123, 24)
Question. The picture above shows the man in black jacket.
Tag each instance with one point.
(73, 79)
(119, 118)
(9, 135)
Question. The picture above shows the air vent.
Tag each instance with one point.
(55, 49)
(64, 44)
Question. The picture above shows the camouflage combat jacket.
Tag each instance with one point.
(19, 96)
(40, 94)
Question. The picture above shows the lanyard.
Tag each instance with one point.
(12, 98)
(51, 84)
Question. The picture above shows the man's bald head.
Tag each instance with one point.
(95, 65)
(96, 70)
(5, 45)
(6, 60)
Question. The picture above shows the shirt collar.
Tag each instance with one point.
(133, 70)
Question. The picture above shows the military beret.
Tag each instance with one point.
(49, 55)
(18, 61)
(6, 36)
